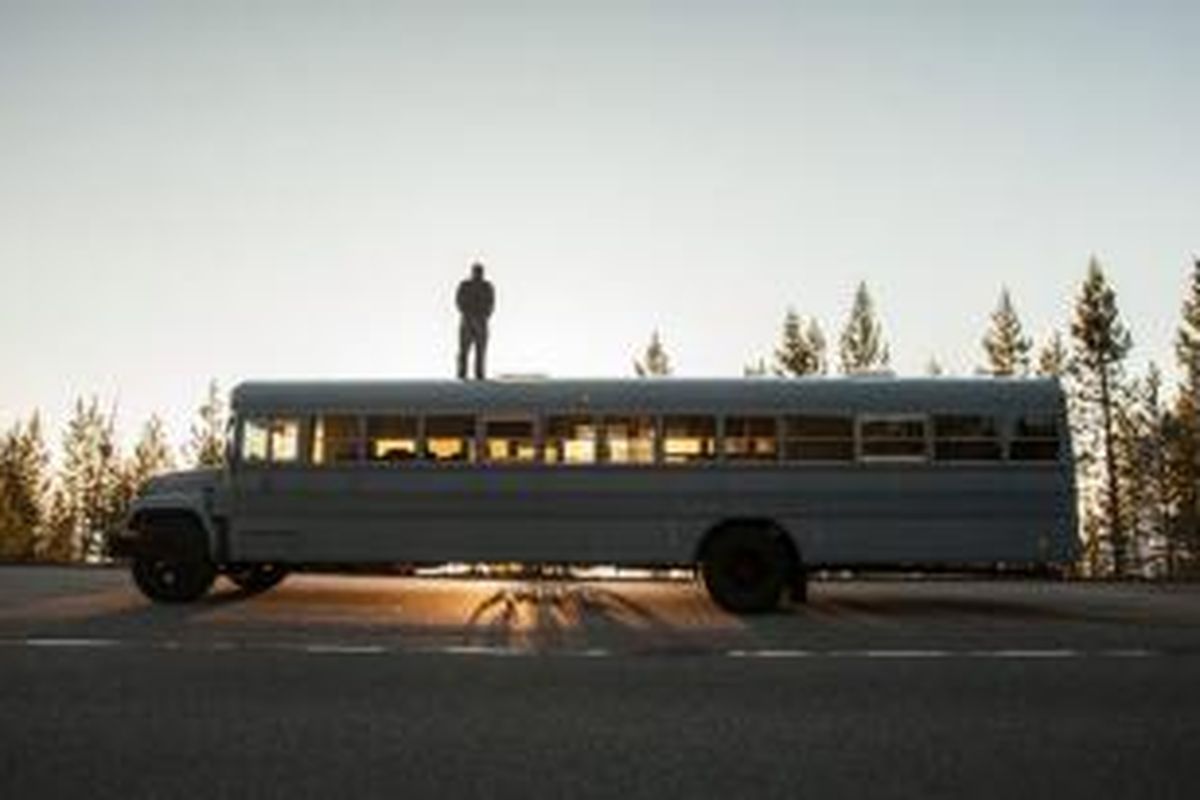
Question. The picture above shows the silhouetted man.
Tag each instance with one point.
(476, 298)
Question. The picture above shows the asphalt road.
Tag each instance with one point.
(371, 687)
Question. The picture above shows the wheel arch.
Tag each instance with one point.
(175, 529)
(777, 529)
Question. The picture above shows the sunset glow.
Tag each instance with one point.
(691, 168)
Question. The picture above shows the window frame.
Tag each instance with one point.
(243, 421)
(592, 418)
(862, 420)
(315, 419)
(998, 438)
(392, 463)
(784, 439)
(715, 457)
(604, 450)
(535, 441)
(777, 422)
(473, 456)
(1011, 438)
(298, 458)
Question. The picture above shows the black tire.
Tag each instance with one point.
(746, 568)
(173, 580)
(255, 578)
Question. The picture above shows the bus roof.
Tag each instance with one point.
(854, 394)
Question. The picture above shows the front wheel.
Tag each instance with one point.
(745, 569)
(255, 578)
(173, 580)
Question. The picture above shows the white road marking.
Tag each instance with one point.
(345, 649)
(478, 650)
(71, 642)
(770, 653)
(1061, 653)
(592, 652)
(900, 654)
(909, 654)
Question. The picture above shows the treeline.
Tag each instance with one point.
(1136, 443)
(61, 513)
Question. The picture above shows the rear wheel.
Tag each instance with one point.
(173, 580)
(746, 569)
(254, 578)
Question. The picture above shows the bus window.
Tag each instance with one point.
(570, 440)
(254, 440)
(959, 437)
(450, 438)
(818, 438)
(893, 438)
(391, 438)
(629, 440)
(509, 440)
(689, 438)
(1035, 438)
(336, 439)
(285, 440)
(750, 439)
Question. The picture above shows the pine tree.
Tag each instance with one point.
(1156, 469)
(151, 456)
(1141, 440)
(206, 448)
(14, 534)
(801, 349)
(58, 541)
(1184, 441)
(23, 490)
(1053, 361)
(1179, 456)
(90, 482)
(934, 368)
(756, 368)
(1101, 343)
(655, 363)
(862, 347)
(1005, 343)
(1052, 358)
(818, 345)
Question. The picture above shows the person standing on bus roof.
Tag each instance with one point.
(475, 299)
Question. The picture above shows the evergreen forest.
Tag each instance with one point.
(1136, 439)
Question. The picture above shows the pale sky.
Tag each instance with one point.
(251, 189)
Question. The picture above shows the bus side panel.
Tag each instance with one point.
(852, 514)
(933, 514)
(440, 514)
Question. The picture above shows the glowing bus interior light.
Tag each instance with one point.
(570, 440)
(336, 439)
(450, 438)
(509, 440)
(630, 440)
(690, 438)
(285, 440)
(391, 438)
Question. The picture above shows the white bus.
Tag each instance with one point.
(754, 482)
